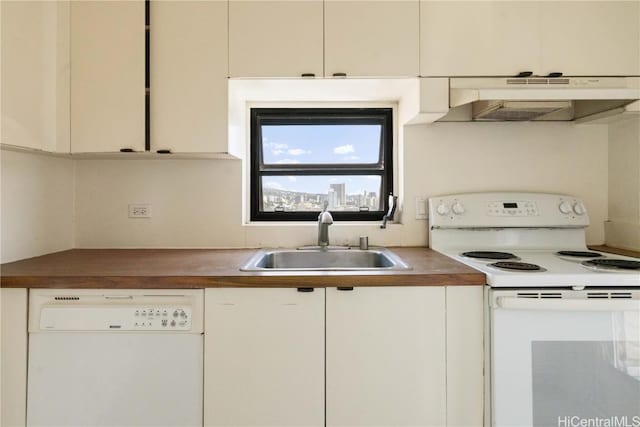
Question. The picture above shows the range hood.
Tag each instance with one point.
(578, 99)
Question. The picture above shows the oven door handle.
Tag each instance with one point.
(550, 304)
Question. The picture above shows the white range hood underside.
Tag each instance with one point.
(528, 99)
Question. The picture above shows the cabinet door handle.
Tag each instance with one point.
(554, 74)
(345, 288)
(163, 151)
(126, 150)
(525, 74)
(305, 289)
(339, 74)
(307, 75)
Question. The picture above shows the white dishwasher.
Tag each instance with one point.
(115, 358)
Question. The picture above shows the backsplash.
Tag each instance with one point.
(198, 203)
(37, 204)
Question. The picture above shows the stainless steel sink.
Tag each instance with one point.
(378, 259)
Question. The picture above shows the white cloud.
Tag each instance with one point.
(344, 149)
(288, 161)
(298, 151)
(352, 158)
(292, 178)
(274, 185)
(276, 148)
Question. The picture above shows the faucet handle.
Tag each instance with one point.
(393, 201)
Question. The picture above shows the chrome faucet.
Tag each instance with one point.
(393, 202)
(324, 221)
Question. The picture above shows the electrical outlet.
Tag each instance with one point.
(139, 211)
(421, 208)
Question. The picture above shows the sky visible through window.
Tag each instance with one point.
(316, 144)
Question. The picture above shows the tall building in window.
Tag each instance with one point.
(339, 194)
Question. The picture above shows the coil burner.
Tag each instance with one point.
(489, 255)
(612, 264)
(579, 254)
(517, 266)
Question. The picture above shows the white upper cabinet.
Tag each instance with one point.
(478, 38)
(371, 38)
(386, 356)
(264, 357)
(592, 38)
(503, 38)
(107, 76)
(275, 38)
(188, 82)
(35, 74)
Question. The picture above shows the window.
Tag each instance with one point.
(302, 157)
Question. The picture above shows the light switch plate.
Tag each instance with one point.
(421, 208)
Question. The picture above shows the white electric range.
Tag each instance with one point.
(525, 240)
(563, 322)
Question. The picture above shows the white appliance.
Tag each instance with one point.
(115, 358)
(527, 98)
(563, 322)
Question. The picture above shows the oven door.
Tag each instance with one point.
(565, 358)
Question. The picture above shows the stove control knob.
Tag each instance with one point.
(442, 209)
(458, 208)
(565, 208)
(579, 209)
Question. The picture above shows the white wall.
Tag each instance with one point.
(623, 227)
(37, 204)
(198, 203)
(549, 157)
(195, 203)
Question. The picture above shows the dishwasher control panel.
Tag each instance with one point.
(115, 318)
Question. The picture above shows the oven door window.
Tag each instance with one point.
(565, 368)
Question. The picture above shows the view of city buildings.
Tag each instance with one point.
(278, 200)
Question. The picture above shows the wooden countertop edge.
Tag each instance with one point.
(204, 268)
(254, 281)
(617, 251)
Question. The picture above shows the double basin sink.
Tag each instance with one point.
(322, 259)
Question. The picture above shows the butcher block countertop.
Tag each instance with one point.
(617, 251)
(204, 268)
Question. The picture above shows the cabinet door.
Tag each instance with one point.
(264, 357)
(35, 74)
(188, 76)
(592, 38)
(372, 38)
(386, 356)
(107, 76)
(465, 356)
(13, 407)
(275, 38)
(478, 38)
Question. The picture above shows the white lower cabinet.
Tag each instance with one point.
(395, 356)
(386, 356)
(264, 357)
(465, 356)
(13, 369)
